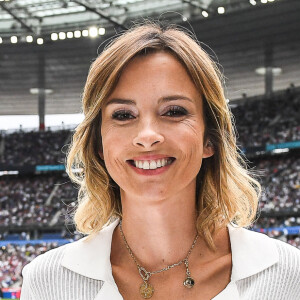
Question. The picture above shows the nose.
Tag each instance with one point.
(147, 136)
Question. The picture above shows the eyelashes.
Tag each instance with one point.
(176, 111)
(172, 112)
(122, 115)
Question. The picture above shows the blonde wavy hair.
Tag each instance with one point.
(226, 190)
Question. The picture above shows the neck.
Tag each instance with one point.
(158, 233)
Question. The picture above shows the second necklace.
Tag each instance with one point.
(146, 289)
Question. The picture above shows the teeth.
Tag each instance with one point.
(158, 163)
(152, 164)
(146, 165)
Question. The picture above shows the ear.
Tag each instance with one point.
(208, 149)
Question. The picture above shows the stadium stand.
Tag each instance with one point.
(18, 147)
(268, 121)
(27, 200)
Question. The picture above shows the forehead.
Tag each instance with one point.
(153, 64)
(155, 74)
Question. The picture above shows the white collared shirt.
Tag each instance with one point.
(262, 268)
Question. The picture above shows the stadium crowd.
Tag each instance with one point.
(271, 121)
(34, 147)
(14, 257)
(280, 179)
(271, 222)
(26, 200)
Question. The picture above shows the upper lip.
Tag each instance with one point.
(150, 157)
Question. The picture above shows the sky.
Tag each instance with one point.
(32, 121)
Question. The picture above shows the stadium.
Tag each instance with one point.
(46, 49)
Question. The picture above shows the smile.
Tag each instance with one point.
(152, 164)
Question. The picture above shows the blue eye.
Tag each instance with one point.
(176, 111)
(122, 115)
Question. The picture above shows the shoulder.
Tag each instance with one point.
(40, 270)
(282, 279)
(289, 256)
(46, 278)
(266, 268)
(37, 274)
(42, 263)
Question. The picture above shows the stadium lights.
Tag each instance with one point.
(281, 150)
(221, 10)
(14, 39)
(54, 36)
(29, 39)
(93, 32)
(101, 31)
(35, 91)
(2, 173)
(262, 71)
(62, 35)
(253, 2)
(70, 34)
(204, 13)
(77, 34)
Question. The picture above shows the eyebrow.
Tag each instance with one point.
(161, 100)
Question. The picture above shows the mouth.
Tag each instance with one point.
(152, 164)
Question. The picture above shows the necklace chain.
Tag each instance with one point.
(146, 274)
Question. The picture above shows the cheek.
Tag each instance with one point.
(111, 148)
(190, 143)
(114, 146)
(191, 137)
(110, 138)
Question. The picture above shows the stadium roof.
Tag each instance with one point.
(42, 16)
(240, 38)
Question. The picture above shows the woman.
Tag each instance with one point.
(163, 192)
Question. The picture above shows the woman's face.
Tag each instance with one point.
(152, 129)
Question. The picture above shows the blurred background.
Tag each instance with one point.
(46, 48)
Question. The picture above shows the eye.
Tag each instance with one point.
(176, 111)
(122, 115)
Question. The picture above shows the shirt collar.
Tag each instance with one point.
(252, 253)
(90, 257)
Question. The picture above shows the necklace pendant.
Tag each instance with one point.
(189, 282)
(146, 290)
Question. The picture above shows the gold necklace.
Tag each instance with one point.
(147, 289)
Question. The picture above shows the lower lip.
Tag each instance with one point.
(150, 172)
